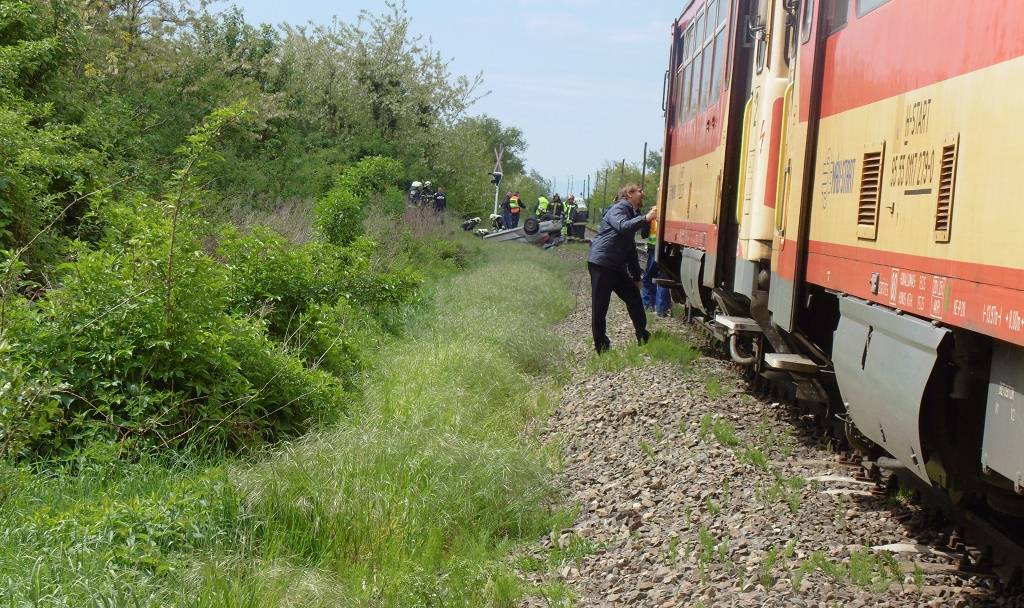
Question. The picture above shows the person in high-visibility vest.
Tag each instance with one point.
(575, 218)
(514, 209)
(655, 297)
(542, 208)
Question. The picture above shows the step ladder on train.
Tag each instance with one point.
(735, 330)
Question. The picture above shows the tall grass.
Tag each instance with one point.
(412, 500)
(415, 500)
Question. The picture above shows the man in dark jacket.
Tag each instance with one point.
(615, 267)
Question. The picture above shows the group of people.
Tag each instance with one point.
(423, 196)
(614, 266)
(572, 213)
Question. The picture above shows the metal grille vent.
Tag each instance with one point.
(944, 204)
(870, 194)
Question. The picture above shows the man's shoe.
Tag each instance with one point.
(602, 347)
(643, 338)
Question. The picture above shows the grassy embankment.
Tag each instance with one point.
(412, 500)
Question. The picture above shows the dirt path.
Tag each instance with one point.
(691, 492)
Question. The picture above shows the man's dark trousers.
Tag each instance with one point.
(604, 281)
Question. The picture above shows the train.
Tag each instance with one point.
(837, 205)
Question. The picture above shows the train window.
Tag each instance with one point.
(695, 78)
(683, 81)
(866, 6)
(720, 51)
(677, 96)
(680, 49)
(716, 79)
(698, 33)
(762, 46)
(807, 20)
(705, 83)
(711, 14)
(791, 35)
(837, 14)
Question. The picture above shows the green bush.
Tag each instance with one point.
(339, 216)
(336, 338)
(156, 361)
(268, 277)
(29, 403)
(372, 175)
(340, 213)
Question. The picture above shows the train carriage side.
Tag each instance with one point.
(698, 190)
(912, 253)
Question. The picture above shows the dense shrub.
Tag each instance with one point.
(339, 216)
(156, 360)
(268, 277)
(340, 213)
(372, 175)
(336, 338)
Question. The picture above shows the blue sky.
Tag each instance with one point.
(581, 78)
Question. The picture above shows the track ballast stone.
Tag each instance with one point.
(692, 492)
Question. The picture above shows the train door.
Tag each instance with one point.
(763, 131)
(805, 50)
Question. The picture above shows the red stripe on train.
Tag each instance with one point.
(1002, 276)
(992, 310)
(908, 44)
(692, 234)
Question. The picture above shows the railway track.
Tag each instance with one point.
(979, 541)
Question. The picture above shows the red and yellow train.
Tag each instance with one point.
(839, 203)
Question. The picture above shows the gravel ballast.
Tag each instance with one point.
(692, 492)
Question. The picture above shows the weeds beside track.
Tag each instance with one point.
(414, 499)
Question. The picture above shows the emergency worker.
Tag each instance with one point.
(415, 190)
(506, 209)
(542, 210)
(615, 267)
(440, 200)
(656, 297)
(556, 206)
(570, 211)
(515, 207)
(427, 195)
(576, 218)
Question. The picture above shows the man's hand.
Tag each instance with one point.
(652, 214)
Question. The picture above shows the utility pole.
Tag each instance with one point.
(605, 199)
(643, 167)
(622, 173)
(496, 174)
